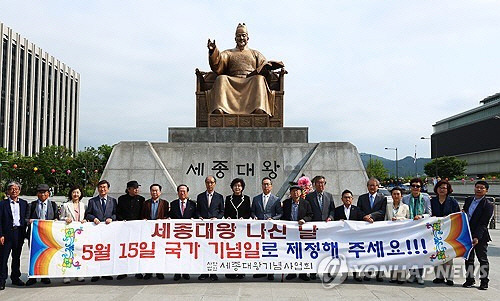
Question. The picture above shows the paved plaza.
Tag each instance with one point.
(254, 289)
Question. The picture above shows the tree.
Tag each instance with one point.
(375, 169)
(445, 167)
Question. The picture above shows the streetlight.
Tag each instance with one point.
(435, 152)
(396, 149)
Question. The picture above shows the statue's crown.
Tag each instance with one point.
(242, 26)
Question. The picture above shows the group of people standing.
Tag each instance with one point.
(16, 215)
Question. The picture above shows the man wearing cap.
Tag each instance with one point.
(42, 209)
(297, 209)
(101, 208)
(210, 204)
(129, 209)
(13, 214)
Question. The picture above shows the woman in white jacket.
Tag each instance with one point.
(397, 211)
(73, 211)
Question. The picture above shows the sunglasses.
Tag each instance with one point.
(415, 186)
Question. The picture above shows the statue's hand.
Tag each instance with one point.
(211, 45)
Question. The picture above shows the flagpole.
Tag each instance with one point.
(415, 161)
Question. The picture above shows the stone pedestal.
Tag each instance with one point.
(271, 135)
(174, 163)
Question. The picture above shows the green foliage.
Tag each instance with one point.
(56, 166)
(376, 169)
(446, 167)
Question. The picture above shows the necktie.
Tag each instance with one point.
(209, 199)
(103, 203)
(183, 207)
(320, 200)
(265, 201)
(371, 201)
(42, 214)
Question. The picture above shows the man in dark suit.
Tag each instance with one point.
(153, 209)
(209, 205)
(101, 208)
(266, 206)
(373, 206)
(129, 208)
(479, 210)
(297, 209)
(322, 202)
(182, 208)
(42, 209)
(13, 216)
(348, 211)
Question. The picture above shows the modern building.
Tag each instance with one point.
(472, 136)
(40, 97)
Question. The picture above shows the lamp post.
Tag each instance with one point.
(435, 153)
(396, 149)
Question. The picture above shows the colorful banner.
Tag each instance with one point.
(242, 246)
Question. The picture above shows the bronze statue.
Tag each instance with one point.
(240, 87)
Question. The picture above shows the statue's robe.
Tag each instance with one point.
(233, 92)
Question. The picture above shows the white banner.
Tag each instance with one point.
(241, 246)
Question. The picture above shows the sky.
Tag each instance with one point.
(374, 73)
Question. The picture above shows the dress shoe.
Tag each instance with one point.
(312, 276)
(66, 281)
(214, 277)
(230, 276)
(270, 277)
(2, 286)
(138, 276)
(45, 280)
(366, 278)
(483, 286)
(147, 276)
(468, 283)
(186, 276)
(160, 276)
(109, 277)
(259, 275)
(438, 280)
(393, 281)
(18, 282)
(177, 277)
(30, 281)
(412, 279)
(304, 277)
(291, 276)
(401, 281)
(80, 279)
(449, 282)
(358, 279)
(240, 276)
(380, 279)
(203, 277)
(120, 277)
(420, 281)
(94, 279)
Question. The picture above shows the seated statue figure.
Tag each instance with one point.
(240, 86)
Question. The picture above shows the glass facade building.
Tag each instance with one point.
(39, 97)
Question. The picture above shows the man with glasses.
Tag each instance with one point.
(373, 205)
(13, 214)
(101, 208)
(479, 210)
(210, 205)
(266, 206)
(420, 207)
